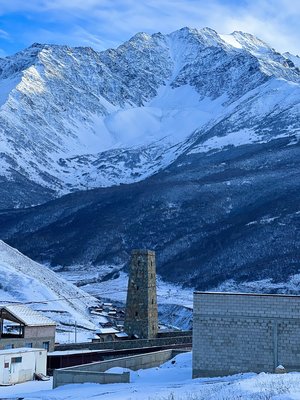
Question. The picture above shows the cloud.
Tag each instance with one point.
(105, 23)
(4, 35)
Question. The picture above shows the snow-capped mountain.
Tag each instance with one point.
(73, 118)
(25, 281)
(203, 129)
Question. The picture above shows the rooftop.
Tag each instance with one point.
(247, 294)
(26, 315)
(20, 350)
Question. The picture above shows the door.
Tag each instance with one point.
(6, 372)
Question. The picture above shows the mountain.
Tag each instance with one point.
(75, 119)
(25, 281)
(192, 139)
(211, 217)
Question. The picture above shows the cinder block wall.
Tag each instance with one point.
(235, 332)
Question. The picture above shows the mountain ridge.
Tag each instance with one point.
(198, 160)
(63, 118)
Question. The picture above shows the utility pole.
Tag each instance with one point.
(75, 331)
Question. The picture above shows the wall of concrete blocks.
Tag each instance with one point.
(234, 332)
(95, 372)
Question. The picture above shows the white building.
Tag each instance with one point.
(20, 365)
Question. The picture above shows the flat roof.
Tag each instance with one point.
(82, 351)
(20, 350)
(248, 294)
(106, 330)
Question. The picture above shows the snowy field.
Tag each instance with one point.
(116, 289)
(171, 381)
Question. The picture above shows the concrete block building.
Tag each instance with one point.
(141, 320)
(235, 332)
(22, 327)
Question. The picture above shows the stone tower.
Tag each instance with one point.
(141, 305)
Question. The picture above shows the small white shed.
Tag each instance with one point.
(20, 365)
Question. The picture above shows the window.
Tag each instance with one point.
(16, 360)
(46, 345)
(29, 345)
(9, 346)
(152, 301)
(136, 313)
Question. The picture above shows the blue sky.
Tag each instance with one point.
(107, 23)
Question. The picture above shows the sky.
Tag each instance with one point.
(107, 23)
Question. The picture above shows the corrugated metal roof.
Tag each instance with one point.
(26, 315)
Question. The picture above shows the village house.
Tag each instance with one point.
(22, 327)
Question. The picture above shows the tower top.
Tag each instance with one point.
(143, 252)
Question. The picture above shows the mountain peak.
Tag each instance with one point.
(69, 108)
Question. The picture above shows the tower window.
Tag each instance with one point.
(152, 301)
(136, 313)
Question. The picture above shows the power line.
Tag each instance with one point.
(59, 299)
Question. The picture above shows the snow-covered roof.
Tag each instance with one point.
(26, 315)
(20, 350)
(102, 331)
(121, 335)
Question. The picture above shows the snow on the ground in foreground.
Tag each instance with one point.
(171, 381)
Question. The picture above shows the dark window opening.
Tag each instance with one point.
(46, 345)
(16, 360)
(136, 313)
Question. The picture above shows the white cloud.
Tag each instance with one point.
(103, 23)
(4, 34)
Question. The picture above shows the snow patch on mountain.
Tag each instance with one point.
(230, 39)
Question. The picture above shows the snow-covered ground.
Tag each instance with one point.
(174, 303)
(171, 381)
